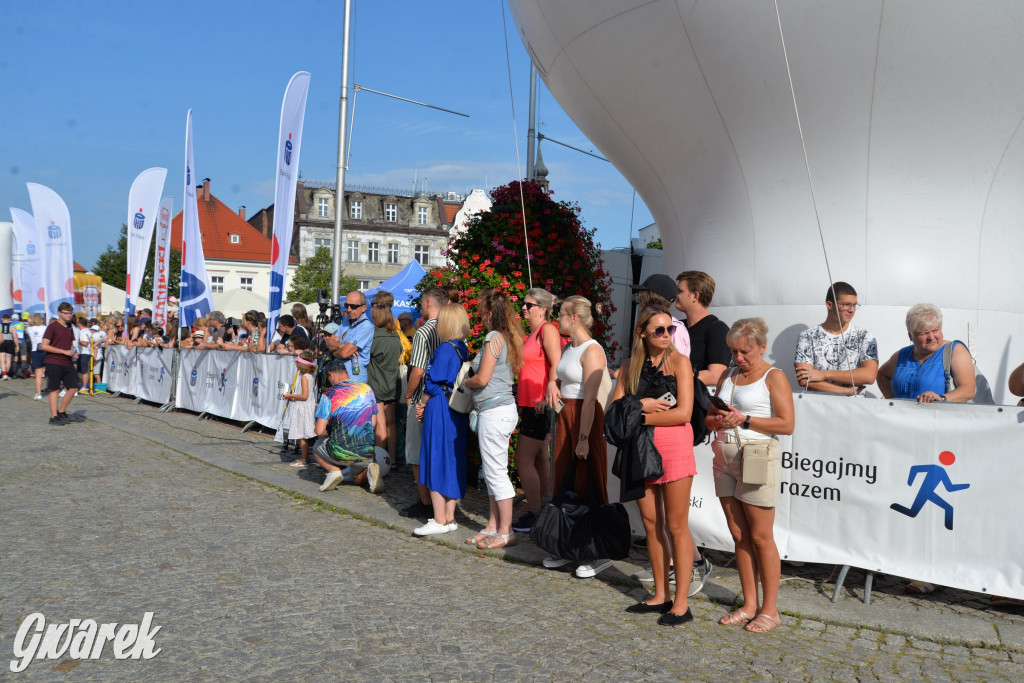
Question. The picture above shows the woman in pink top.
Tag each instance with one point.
(541, 353)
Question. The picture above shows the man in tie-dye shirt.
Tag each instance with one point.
(346, 418)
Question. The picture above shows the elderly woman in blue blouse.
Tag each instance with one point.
(918, 371)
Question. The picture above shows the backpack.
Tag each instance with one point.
(701, 404)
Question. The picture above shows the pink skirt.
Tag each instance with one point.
(676, 447)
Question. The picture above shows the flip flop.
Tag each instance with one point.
(763, 623)
(737, 618)
(920, 588)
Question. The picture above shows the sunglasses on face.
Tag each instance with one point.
(353, 307)
(527, 305)
(662, 331)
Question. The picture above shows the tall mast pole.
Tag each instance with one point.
(531, 133)
(339, 190)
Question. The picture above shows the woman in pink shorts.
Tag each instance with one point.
(662, 378)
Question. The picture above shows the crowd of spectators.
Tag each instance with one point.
(375, 390)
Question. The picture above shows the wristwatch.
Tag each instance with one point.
(746, 423)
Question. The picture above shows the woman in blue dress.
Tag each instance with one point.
(443, 447)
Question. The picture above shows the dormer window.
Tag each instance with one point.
(235, 239)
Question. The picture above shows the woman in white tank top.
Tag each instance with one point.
(761, 406)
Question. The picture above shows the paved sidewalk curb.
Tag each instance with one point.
(805, 608)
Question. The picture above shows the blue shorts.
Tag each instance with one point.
(37, 359)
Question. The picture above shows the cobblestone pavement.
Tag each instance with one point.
(111, 518)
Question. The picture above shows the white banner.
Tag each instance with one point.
(162, 265)
(54, 228)
(145, 373)
(143, 199)
(8, 264)
(195, 285)
(236, 385)
(120, 371)
(293, 110)
(923, 492)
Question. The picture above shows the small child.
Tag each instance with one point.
(302, 425)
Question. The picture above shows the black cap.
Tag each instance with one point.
(660, 284)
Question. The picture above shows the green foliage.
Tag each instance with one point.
(491, 254)
(315, 273)
(654, 244)
(112, 266)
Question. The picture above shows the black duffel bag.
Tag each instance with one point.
(577, 529)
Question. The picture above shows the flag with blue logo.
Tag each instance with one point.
(293, 111)
(143, 199)
(54, 226)
(195, 285)
(28, 268)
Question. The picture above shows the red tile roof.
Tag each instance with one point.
(217, 223)
(449, 212)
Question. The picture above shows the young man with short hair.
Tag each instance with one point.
(821, 363)
(709, 357)
(709, 354)
(58, 343)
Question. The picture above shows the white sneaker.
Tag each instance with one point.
(552, 562)
(333, 479)
(375, 481)
(453, 526)
(591, 569)
(39, 397)
(432, 527)
(6, 378)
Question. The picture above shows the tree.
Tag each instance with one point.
(491, 254)
(654, 244)
(314, 274)
(112, 266)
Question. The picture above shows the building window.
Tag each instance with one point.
(353, 250)
(364, 284)
(391, 212)
(217, 284)
(322, 242)
(373, 252)
(245, 283)
(421, 254)
(357, 210)
(421, 215)
(235, 239)
(321, 207)
(393, 253)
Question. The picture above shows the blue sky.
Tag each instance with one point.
(97, 92)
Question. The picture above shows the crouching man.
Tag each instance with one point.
(346, 418)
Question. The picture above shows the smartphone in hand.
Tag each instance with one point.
(558, 406)
(668, 398)
(720, 404)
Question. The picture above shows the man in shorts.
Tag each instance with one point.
(58, 343)
(9, 349)
(84, 338)
(346, 418)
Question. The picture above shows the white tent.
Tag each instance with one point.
(911, 113)
(235, 302)
(112, 300)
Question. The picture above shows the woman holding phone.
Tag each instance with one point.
(662, 379)
(759, 407)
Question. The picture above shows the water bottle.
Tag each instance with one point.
(355, 365)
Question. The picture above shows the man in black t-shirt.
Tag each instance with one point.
(709, 354)
(58, 342)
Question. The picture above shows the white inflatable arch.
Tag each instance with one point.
(912, 116)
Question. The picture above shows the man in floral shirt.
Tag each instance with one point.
(837, 357)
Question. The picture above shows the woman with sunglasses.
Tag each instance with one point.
(541, 352)
(760, 408)
(580, 424)
(662, 379)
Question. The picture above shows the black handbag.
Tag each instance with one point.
(576, 529)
